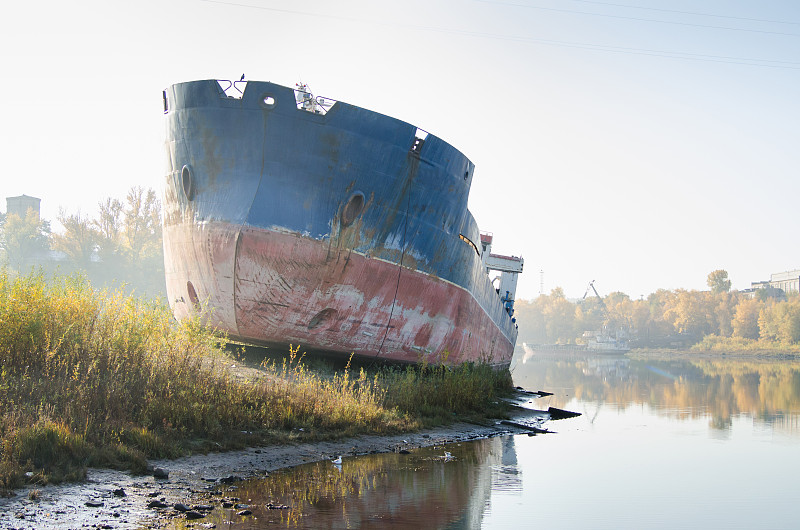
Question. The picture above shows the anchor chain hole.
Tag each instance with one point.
(353, 208)
(187, 182)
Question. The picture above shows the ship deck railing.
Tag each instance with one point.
(308, 101)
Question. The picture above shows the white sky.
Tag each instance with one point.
(641, 144)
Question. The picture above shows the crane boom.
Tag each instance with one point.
(591, 286)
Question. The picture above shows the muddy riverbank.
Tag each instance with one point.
(115, 499)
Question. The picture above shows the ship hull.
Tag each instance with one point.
(341, 233)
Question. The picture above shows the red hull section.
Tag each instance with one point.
(272, 287)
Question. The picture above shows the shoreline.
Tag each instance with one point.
(64, 506)
(748, 355)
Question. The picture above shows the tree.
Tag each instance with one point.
(641, 319)
(24, 239)
(529, 316)
(781, 321)
(724, 310)
(79, 239)
(619, 313)
(690, 313)
(745, 318)
(559, 314)
(718, 281)
(590, 315)
(109, 228)
(547, 319)
(142, 224)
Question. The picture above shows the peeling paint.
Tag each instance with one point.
(264, 244)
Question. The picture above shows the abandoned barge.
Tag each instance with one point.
(303, 220)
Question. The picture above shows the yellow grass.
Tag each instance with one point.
(103, 378)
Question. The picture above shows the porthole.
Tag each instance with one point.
(353, 208)
(267, 101)
(187, 182)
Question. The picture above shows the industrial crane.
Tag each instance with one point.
(603, 341)
(591, 286)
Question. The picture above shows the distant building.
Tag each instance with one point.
(788, 281)
(20, 205)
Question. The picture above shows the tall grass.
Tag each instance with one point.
(103, 378)
(435, 393)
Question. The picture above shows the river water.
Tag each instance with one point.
(690, 443)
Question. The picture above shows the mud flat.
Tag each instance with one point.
(115, 499)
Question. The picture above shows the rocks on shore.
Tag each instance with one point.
(194, 514)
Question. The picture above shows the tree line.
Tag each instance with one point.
(718, 317)
(121, 244)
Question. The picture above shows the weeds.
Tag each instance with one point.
(102, 378)
(434, 393)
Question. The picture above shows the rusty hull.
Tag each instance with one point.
(341, 232)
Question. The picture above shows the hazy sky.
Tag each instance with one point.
(640, 144)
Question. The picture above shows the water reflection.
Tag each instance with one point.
(506, 475)
(721, 389)
(422, 489)
(661, 444)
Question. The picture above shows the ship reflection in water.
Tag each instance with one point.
(422, 489)
(662, 443)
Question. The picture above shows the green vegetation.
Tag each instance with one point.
(23, 239)
(716, 320)
(101, 378)
(121, 246)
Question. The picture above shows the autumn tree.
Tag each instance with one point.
(121, 246)
(781, 321)
(24, 239)
(718, 281)
(641, 317)
(690, 313)
(724, 307)
(79, 239)
(141, 227)
(745, 318)
(108, 227)
(590, 315)
(659, 302)
(531, 323)
(130, 235)
(619, 313)
(547, 319)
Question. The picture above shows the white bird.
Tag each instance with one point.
(447, 455)
(338, 461)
